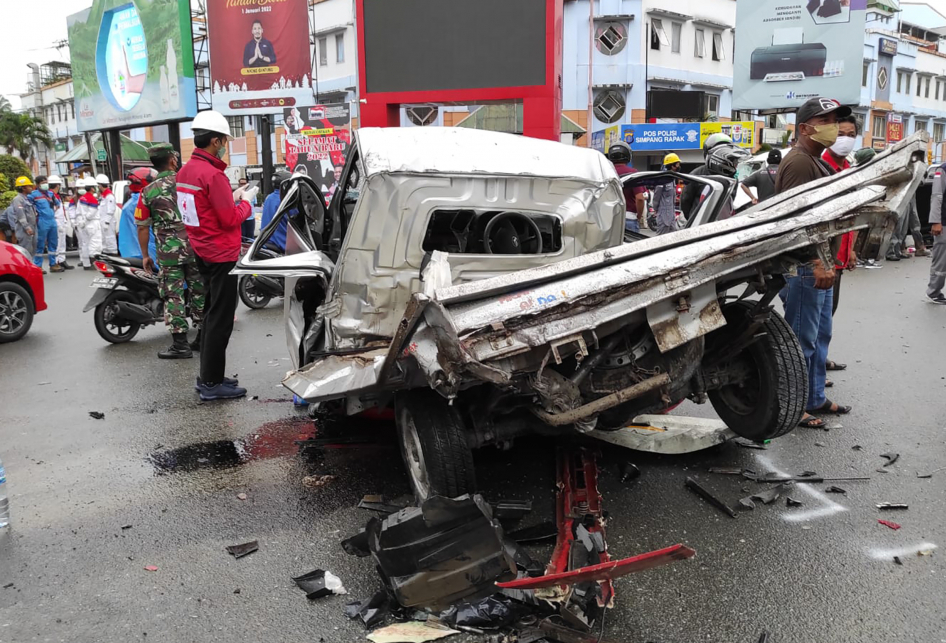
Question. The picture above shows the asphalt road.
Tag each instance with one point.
(170, 469)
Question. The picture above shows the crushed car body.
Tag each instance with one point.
(491, 269)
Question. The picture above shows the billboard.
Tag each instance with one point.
(132, 64)
(317, 140)
(260, 61)
(659, 137)
(787, 52)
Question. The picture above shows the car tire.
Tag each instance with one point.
(433, 442)
(248, 296)
(16, 311)
(103, 324)
(771, 402)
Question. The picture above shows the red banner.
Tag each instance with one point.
(317, 142)
(259, 54)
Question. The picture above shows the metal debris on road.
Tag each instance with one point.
(239, 551)
(317, 482)
(766, 497)
(930, 474)
(699, 490)
(629, 472)
(409, 632)
(791, 502)
(319, 583)
(509, 512)
(749, 444)
(834, 489)
(96, 415)
(892, 505)
(890, 458)
(888, 523)
(124, 527)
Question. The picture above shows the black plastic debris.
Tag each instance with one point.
(239, 551)
(833, 489)
(930, 474)
(791, 502)
(357, 545)
(699, 490)
(491, 613)
(376, 503)
(444, 551)
(764, 637)
(897, 560)
(892, 505)
(8, 586)
(534, 534)
(629, 472)
(371, 611)
(857, 447)
(749, 444)
(124, 527)
(766, 497)
(509, 512)
(731, 471)
(890, 458)
(319, 583)
(523, 558)
(96, 415)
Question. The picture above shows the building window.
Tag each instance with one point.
(718, 52)
(699, 49)
(879, 128)
(676, 31)
(938, 132)
(899, 82)
(610, 38)
(657, 34)
(422, 115)
(926, 93)
(864, 74)
(72, 110)
(909, 78)
(323, 52)
(236, 126)
(938, 84)
(711, 106)
(609, 106)
(339, 47)
(921, 126)
(919, 86)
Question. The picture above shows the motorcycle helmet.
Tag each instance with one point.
(140, 177)
(619, 152)
(724, 159)
(713, 140)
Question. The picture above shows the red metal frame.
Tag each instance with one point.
(541, 104)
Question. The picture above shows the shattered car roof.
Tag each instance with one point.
(419, 150)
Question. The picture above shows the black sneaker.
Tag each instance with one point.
(88, 267)
(892, 257)
(227, 380)
(937, 299)
(221, 391)
(176, 351)
(67, 266)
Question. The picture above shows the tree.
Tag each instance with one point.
(5, 105)
(11, 167)
(23, 133)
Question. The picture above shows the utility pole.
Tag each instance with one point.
(266, 150)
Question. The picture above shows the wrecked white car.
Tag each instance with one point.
(479, 284)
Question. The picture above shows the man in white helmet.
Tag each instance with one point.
(107, 216)
(88, 228)
(62, 223)
(213, 216)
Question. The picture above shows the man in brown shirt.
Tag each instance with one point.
(808, 296)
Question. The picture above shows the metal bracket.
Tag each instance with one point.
(578, 340)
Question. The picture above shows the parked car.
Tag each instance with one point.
(477, 282)
(22, 293)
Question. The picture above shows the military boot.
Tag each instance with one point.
(178, 350)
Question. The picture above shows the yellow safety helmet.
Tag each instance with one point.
(23, 181)
(671, 158)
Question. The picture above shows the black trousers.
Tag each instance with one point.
(220, 307)
(837, 291)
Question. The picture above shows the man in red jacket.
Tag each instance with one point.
(213, 215)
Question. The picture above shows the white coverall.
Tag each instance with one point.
(61, 222)
(108, 221)
(89, 231)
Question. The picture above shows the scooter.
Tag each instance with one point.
(126, 298)
(256, 291)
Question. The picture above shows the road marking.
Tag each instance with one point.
(887, 554)
(829, 509)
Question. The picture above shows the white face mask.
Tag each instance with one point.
(81, 190)
(843, 146)
(44, 186)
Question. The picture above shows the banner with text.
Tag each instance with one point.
(789, 51)
(259, 55)
(660, 137)
(132, 64)
(318, 139)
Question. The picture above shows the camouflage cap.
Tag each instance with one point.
(160, 151)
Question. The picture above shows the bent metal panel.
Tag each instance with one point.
(259, 55)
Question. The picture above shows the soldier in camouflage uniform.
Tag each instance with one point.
(157, 209)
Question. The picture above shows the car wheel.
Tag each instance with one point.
(768, 399)
(433, 444)
(16, 312)
(249, 295)
(111, 326)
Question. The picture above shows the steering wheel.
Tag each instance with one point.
(512, 233)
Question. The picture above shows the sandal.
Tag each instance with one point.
(834, 366)
(828, 383)
(811, 422)
(828, 407)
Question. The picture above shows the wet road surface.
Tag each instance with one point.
(156, 482)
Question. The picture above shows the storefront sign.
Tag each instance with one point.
(888, 47)
(658, 137)
(894, 128)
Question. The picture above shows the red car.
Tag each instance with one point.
(22, 294)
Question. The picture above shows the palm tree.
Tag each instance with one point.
(5, 105)
(23, 133)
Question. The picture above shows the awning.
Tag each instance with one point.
(508, 118)
(131, 151)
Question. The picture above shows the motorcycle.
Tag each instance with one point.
(256, 291)
(126, 298)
